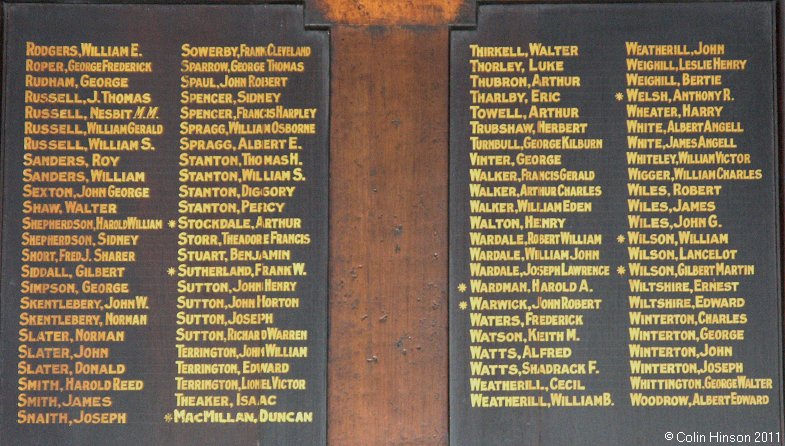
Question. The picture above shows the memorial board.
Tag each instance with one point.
(164, 231)
(614, 238)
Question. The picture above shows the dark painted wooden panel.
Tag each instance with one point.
(149, 353)
(608, 409)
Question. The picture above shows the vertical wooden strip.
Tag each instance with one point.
(388, 218)
(389, 12)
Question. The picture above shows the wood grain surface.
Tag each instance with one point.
(389, 12)
(388, 236)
